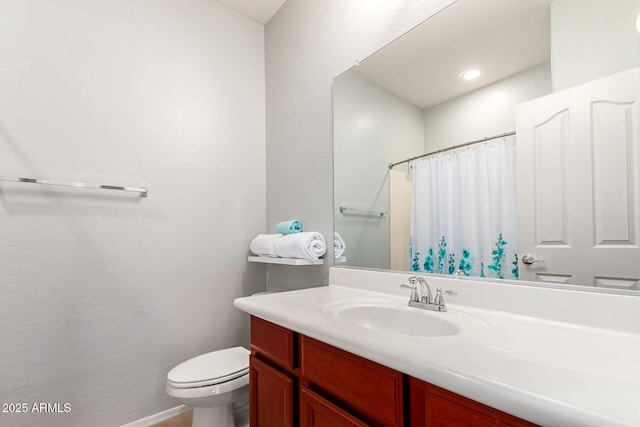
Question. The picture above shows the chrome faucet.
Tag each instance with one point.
(425, 297)
(421, 296)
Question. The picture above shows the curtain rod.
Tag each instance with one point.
(477, 141)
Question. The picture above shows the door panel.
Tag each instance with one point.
(613, 168)
(578, 155)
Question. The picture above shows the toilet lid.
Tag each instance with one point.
(210, 368)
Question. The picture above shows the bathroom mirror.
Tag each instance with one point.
(408, 99)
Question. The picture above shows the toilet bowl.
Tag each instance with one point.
(216, 385)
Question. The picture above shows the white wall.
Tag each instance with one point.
(485, 112)
(308, 43)
(372, 128)
(582, 30)
(101, 293)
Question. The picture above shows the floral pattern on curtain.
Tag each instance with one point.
(464, 212)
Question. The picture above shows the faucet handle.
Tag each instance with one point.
(439, 298)
(414, 293)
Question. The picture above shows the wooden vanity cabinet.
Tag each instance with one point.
(296, 380)
(299, 381)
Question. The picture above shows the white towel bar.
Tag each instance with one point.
(142, 190)
(344, 209)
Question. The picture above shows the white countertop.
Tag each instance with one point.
(548, 372)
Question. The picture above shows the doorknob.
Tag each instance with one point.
(529, 259)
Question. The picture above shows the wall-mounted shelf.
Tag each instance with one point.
(284, 261)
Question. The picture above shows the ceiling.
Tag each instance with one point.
(258, 10)
(499, 37)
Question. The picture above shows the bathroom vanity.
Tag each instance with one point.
(354, 353)
(294, 377)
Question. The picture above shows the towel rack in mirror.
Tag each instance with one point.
(344, 209)
(142, 190)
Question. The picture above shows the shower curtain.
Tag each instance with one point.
(464, 212)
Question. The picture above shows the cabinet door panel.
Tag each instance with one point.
(318, 412)
(271, 394)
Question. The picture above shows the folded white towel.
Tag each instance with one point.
(338, 245)
(307, 245)
(265, 245)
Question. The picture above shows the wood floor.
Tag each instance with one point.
(182, 420)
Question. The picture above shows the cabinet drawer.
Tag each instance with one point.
(445, 408)
(318, 412)
(272, 342)
(433, 406)
(444, 413)
(370, 390)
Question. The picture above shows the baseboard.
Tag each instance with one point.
(159, 417)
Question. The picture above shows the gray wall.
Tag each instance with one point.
(372, 128)
(485, 112)
(582, 30)
(102, 293)
(307, 44)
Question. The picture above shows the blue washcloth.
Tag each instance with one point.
(289, 227)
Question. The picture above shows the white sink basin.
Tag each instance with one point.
(392, 318)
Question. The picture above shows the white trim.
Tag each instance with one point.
(159, 417)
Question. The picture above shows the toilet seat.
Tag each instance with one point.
(211, 395)
(209, 369)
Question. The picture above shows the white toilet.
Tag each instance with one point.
(216, 385)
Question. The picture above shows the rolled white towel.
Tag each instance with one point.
(338, 245)
(265, 245)
(307, 245)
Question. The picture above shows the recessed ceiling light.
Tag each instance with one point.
(470, 74)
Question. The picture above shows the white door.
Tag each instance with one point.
(578, 184)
